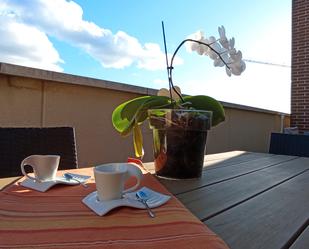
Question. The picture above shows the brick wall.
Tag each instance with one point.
(300, 65)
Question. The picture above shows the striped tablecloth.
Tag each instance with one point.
(59, 219)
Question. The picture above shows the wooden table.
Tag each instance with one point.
(251, 200)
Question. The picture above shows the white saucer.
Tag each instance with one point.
(44, 186)
(156, 199)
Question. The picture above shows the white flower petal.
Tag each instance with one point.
(238, 67)
(224, 43)
(201, 49)
(221, 31)
(189, 45)
(232, 52)
(212, 55)
(236, 71)
(232, 43)
(194, 46)
(228, 71)
(237, 56)
(218, 62)
(199, 35)
(225, 57)
(216, 46)
(243, 66)
(212, 39)
(223, 40)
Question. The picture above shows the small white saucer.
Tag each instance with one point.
(156, 199)
(44, 186)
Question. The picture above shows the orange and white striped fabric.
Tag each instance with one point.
(59, 219)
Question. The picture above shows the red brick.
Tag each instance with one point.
(300, 65)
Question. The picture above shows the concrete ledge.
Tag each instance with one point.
(252, 109)
(16, 70)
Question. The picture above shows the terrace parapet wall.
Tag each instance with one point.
(32, 97)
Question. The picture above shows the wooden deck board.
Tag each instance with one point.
(223, 159)
(219, 174)
(208, 201)
(233, 160)
(268, 220)
(302, 242)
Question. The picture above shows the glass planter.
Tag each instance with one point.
(179, 141)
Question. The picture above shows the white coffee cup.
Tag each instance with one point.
(44, 167)
(110, 179)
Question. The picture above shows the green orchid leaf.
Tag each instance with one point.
(206, 103)
(138, 141)
(135, 111)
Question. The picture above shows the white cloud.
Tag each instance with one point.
(25, 45)
(160, 81)
(64, 21)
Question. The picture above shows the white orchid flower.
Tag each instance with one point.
(218, 62)
(214, 45)
(199, 35)
(232, 43)
(236, 56)
(238, 67)
(223, 40)
(205, 47)
(221, 31)
(193, 46)
(212, 55)
(202, 49)
(222, 51)
(228, 71)
(212, 39)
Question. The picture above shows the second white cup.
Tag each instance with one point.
(110, 179)
(44, 167)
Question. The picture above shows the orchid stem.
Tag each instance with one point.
(169, 70)
(169, 67)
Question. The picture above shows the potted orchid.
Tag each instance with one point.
(180, 123)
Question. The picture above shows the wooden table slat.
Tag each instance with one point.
(7, 181)
(210, 200)
(223, 159)
(268, 221)
(302, 241)
(236, 159)
(216, 175)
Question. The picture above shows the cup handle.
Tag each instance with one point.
(22, 166)
(134, 171)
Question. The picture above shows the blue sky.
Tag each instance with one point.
(122, 41)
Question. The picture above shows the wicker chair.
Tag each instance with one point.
(18, 143)
(289, 144)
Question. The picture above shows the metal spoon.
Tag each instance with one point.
(142, 197)
(69, 177)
